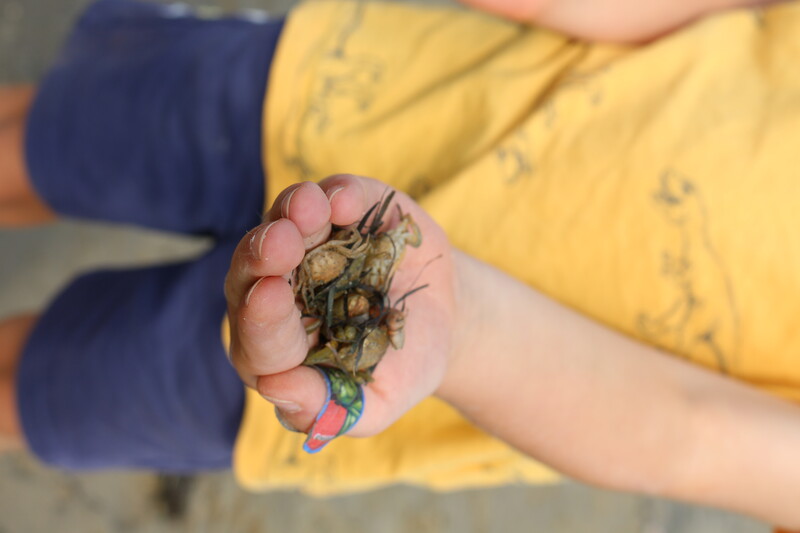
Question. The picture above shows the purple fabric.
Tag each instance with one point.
(152, 117)
(126, 370)
(155, 119)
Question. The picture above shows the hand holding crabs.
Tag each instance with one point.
(343, 285)
(359, 293)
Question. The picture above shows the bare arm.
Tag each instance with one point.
(610, 20)
(613, 412)
(592, 403)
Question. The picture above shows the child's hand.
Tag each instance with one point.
(268, 338)
(578, 396)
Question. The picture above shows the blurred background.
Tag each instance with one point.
(37, 262)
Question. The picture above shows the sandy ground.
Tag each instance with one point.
(33, 498)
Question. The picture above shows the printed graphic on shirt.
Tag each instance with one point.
(515, 158)
(701, 320)
(588, 84)
(348, 83)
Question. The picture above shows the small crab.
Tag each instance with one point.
(329, 261)
(356, 358)
(343, 286)
(388, 249)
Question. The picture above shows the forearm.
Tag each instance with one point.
(559, 386)
(613, 412)
(610, 20)
(747, 459)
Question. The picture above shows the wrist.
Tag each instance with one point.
(467, 327)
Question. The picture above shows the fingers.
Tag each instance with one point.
(358, 194)
(272, 249)
(260, 300)
(308, 208)
(348, 197)
(401, 380)
(300, 394)
(268, 340)
(267, 335)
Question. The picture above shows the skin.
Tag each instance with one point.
(679, 419)
(19, 203)
(620, 21)
(268, 338)
(562, 367)
(19, 206)
(13, 335)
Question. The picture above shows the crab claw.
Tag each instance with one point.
(409, 228)
(395, 320)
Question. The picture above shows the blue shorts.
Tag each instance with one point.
(150, 116)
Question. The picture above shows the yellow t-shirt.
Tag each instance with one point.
(652, 188)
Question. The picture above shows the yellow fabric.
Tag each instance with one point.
(654, 189)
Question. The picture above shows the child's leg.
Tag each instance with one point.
(13, 334)
(152, 116)
(126, 369)
(19, 202)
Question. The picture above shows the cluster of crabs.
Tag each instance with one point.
(342, 287)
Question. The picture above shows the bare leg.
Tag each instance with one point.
(19, 203)
(13, 335)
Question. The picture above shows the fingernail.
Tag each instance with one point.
(257, 241)
(286, 202)
(250, 292)
(334, 192)
(313, 240)
(284, 405)
(285, 423)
